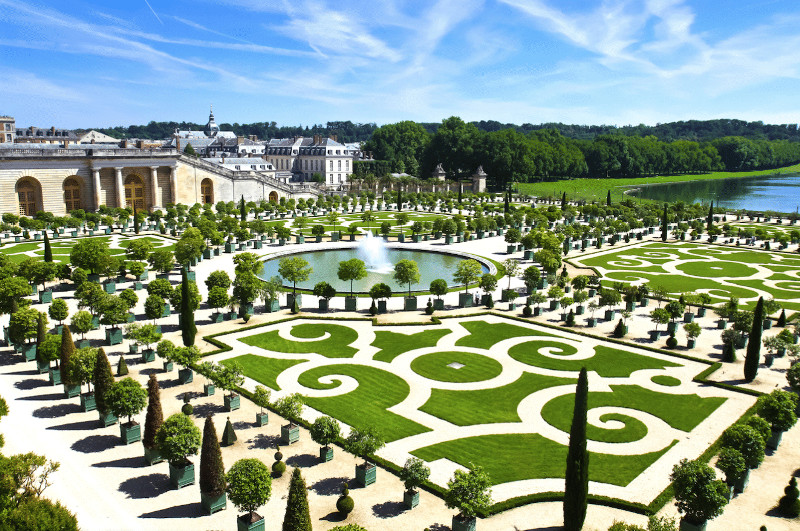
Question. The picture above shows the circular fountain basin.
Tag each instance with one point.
(325, 262)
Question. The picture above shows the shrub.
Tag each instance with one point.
(278, 468)
(249, 485)
(672, 342)
(732, 464)
(103, 380)
(789, 505)
(212, 469)
(793, 377)
(122, 367)
(698, 495)
(297, 517)
(761, 426)
(747, 440)
(154, 418)
(345, 503)
(527, 311)
(778, 408)
(40, 513)
(178, 438)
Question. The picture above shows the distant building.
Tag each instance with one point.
(304, 156)
(7, 129)
(37, 135)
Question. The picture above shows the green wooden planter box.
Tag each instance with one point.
(232, 402)
(246, 309)
(290, 300)
(82, 343)
(350, 304)
(181, 476)
(131, 317)
(366, 474)
(29, 351)
(114, 336)
(110, 287)
(185, 376)
(148, 355)
(774, 440)
(465, 300)
(411, 498)
(46, 297)
(591, 322)
(326, 454)
(464, 524)
(217, 317)
(212, 503)
(409, 304)
(382, 306)
(243, 523)
(42, 366)
(107, 420)
(95, 322)
(130, 432)
(55, 376)
(88, 402)
(290, 433)
(152, 456)
(438, 304)
(685, 525)
(168, 366)
(272, 306)
(167, 310)
(209, 389)
(71, 391)
(262, 419)
(133, 348)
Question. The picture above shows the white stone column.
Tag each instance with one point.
(120, 188)
(154, 187)
(96, 187)
(173, 184)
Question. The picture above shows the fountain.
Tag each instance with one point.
(373, 252)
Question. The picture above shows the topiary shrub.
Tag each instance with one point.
(789, 504)
(246, 317)
(570, 321)
(373, 310)
(527, 311)
(122, 367)
(278, 467)
(345, 503)
(761, 426)
(728, 352)
(672, 342)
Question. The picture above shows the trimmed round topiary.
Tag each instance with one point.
(672, 342)
(187, 409)
(278, 468)
(345, 503)
(789, 504)
(527, 311)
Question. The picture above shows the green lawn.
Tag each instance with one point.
(262, 369)
(335, 346)
(471, 367)
(392, 344)
(485, 335)
(530, 456)
(608, 362)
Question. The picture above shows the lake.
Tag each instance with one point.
(765, 192)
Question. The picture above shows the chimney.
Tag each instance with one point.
(92, 142)
(334, 137)
(254, 138)
(53, 130)
(239, 140)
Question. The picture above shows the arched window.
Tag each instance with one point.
(72, 194)
(134, 192)
(273, 196)
(29, 195)
(207, 191)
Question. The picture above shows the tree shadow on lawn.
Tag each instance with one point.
(143, 487)
(59, 410)
(82, 425)
(303, 460)
(95, 443)
(31, 383)
(263, 441)
(187, 510)
(388, 509)
(125, 462)
(330, 486)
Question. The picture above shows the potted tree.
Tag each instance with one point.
(152, 422)
(438, 287)
(488, 284)
(699, 497)
(186, 357)
(748, 442)
(127, 398)
(777, 408)
(407, 272)
(113, 312)
(290, 407)
(80, 369)
(413, 474)
(325, 292)
(467, 272)
(208, 370)
(144, 335)
(380, 292)
(103, 380)
(229, 377)
(469, 493)
(349, 271)
(212, 471)
(218, 298)
(270, 290)
(659, 316)
(324, 431)
(177, 439)
(249, 487)
(261, 397)
(363, 442)
(294, 270)
(166, 351)
(692, 332)
(732, 464)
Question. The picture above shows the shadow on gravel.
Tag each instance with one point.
(95, 443)
(187, 510)
(31, 383)
(329, 486)
(49, 396)
(388, 509)
(263, 442)
(77, 426)
(335, 516)
(243, 425)
(143, 487)
(203, 410)
(303, 460)
(125, 462)
(59, 410)
(30, 372)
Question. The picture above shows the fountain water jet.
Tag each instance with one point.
(373, 252)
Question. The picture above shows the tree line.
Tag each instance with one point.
(509, 155)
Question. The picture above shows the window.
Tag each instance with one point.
(72, 194)
(331, 166)
(340, 165)
(347, 165)
(134, 192)
(237, 167)
(28, 196)
(207, 191)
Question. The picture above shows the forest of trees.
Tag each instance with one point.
(543, 154)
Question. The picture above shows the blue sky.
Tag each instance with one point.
(100, 63)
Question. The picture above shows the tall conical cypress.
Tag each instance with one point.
(664, 223)
(212, 470)
(48, 252)
(563, 200)
(229, 434)
(135, 219)
(608, 198)
(782, 319)
(505, 202)
(242, 209)
(753, 355)
(67, 347)
(103, 380)
(188, 326)
(576, 487)
(710, 219)
(297, 517)
(399, 198)
(122, 367)
(41, 334)
(155, 417)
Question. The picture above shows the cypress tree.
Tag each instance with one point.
(753, 355)
(122, 367)
(155, 417)
(212, 470)
(664, 223)
(228, 435)
(188, 326)
(297, 517)
(41, 334)
(460, 186)
(48, 252)
(505, 202)
(103, 380)
(608, 198)
(576, 488)
(135, 219)
(563, 200)
(399, 199)
(710, 220)
(782, 319)
(67, 347)
(242, 209)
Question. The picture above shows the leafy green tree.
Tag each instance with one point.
(290, 407)
(91, 254)
(113, 311)
(212, 469)
(747, 441)
(218, 279)
(576, 488)
(12, 292)
(324, 290)
(325, 430)
(178, 438)
(139, 249)
(22, 325)
(469, 492)
(297, 517)
(249, 486)
(350, 270)
(406, 272)
(81, 322)
(80, 368)
(364, 441)
(753, 356)
(161, 260)
(414, 473)
(467, 272)
(438, 287)
(126, 398)
(698, 495)
(154, 307)
(294, 270)
(40, 513)
(160, 287)
(778, 408)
